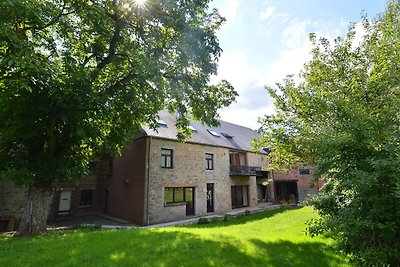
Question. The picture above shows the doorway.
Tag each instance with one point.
(286, 192)
(65, 202)
(210, 197)
(240, 196)
(189, 199)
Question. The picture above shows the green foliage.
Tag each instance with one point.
(270, 238)
(203, 220)
(344, 117)
(78, 78)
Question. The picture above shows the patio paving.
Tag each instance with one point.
(107, 222)
(89, 220)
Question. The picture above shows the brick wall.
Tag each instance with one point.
(126, 188)
(303, 181)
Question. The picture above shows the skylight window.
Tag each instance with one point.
(213, 133)
(162, 123)
(267, 149)
(227, 135)
(192, 128)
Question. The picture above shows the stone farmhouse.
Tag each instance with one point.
(159, 179)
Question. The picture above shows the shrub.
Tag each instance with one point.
(203, 220)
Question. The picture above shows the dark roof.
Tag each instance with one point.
(229, 135)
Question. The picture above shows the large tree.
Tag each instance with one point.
(344, 117)
(79, 77)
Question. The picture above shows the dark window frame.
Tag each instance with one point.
(209, 161)
(304, 171)
(237, 158)
(210, 197)
(86, 198)
(240, 196)
(175, 191)
(165, 156)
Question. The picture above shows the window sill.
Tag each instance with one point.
(174, 204)
(86, 206)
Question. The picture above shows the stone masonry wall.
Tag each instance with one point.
(189, 171)
(12, 202)
(255, 159)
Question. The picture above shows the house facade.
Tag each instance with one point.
(159, 179)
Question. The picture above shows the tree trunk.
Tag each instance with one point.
(36, 211)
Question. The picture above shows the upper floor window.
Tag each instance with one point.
(192, 128)
(161, 123)
(166, 158)
(227, 135)
(213, 133)
(237, 158)
(304, 171)
(209, 161)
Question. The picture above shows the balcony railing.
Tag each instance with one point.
(244, 170)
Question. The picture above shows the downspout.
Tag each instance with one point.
(273, 189)
(148, 181)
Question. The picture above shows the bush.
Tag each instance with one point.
(203, 220)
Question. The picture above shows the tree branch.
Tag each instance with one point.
(111, 51)
(121, 83)
(57, 18)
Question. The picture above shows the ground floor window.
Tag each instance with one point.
(86, 197)
(240, 196)
(178, 194)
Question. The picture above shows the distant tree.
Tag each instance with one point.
(79, 77)
(344, 117)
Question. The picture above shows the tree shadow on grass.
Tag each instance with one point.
(124, 248)
(158, 247)
(242, 219)
(286, 253)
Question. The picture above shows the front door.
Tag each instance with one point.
(210, 197)
(189, 199)
(65, 202)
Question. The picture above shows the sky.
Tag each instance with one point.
(265, 40)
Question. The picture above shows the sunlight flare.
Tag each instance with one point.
(140, 3)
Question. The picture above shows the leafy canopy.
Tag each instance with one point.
(79, 77)
(344, 117)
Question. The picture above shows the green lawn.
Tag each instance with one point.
(271, 238)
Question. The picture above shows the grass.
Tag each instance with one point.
(271, 238)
